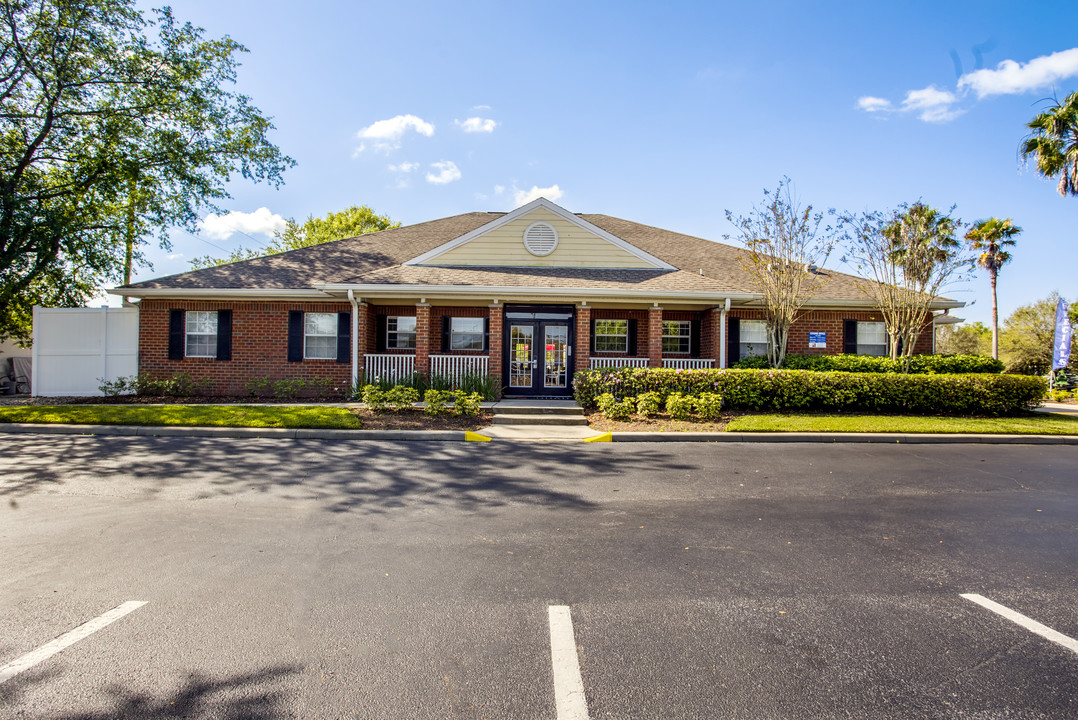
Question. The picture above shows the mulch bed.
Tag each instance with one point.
(658, 423)
(416, 420)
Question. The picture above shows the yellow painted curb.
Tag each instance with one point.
(470, 436)
(605, 437)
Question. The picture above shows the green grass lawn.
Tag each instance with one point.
(1031, 424)
(269, 416)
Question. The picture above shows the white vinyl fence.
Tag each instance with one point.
(688, 363)
(75, 348)
(601, 362)
(388, 368)
(457, 366)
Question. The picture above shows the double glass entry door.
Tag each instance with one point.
(539, 357)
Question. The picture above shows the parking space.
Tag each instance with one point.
(701, 590)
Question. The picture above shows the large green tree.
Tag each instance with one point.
(989, 239)
(964, 339)
(114, 126)
(350, 222)
(1028, 336)
(1053, 143)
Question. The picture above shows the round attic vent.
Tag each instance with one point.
(540, 238)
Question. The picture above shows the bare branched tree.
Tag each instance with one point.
(907, 258)
(786, 244)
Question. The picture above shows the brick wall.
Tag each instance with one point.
(259, 345)
(831, 322)
(582, 351)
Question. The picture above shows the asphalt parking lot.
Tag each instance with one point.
(320, 579)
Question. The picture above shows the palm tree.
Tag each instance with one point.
(989, 238)
(1054, 143)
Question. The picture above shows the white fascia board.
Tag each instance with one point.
(557, 210)
(500, 291)
(238, 293)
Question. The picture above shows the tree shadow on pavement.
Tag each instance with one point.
(248, 696)
(340, 476)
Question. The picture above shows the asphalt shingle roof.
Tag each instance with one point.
(704, 266)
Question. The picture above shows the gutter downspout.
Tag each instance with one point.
(355, 338)
(722, 334)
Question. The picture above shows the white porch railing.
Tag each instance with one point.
(612, 362)
(389, 368)
(688, 363)
(456, 366)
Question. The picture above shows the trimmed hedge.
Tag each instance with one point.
(779, 390)
(919, 364)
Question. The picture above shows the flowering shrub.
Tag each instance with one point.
(648, 403)
(958, 394)
(919, 364)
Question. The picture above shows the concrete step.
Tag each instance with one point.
(566, 410)
(519, 419)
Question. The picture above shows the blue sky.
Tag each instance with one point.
(661, 113)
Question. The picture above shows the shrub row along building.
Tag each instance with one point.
(531, 296)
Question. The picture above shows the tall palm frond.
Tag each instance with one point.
(1053, 143)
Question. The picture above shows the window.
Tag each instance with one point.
(612, 336)
(753, 338)
(320, 336)
(400, 333)
(465, 333)
(676, 336)
(872, 338)
(201, 333)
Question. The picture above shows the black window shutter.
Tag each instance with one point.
(694, 338)
(344, 337)
(380, 333)
(446, 320)
(177, 329)
(733, 341)
(224, 334)
(295, 336)
(486, 334)
(631, 329)
(591, 346)
(849, 337)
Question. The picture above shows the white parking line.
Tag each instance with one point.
(68, 639)
(1028, 623)
(568, 686)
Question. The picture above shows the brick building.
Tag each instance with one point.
(531, 296)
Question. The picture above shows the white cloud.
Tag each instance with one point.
(1012, 78)
(175, 256)
(476, 124)
(447, 172)
(499, 189)
(385, 135)
(261, 221)
(523, 197)
(481, 107)
(404, 167)
(933, 104)
(873, 104)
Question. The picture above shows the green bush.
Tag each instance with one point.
(375, 398)
(467, 403)
(613, 408)
(648, 404)
(437, 402)
(919, 364)
(402, 397)
(178, 385)
(957, 394)
(708, 405)
(679, 406)
(1059, 395)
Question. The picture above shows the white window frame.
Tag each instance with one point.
(307, 334)
(194, 315)
(393, 343)
(684, 332)
(878, 327)
(454, 334)
(753, 352)
(609, 335)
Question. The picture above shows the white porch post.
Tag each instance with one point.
(722, 334)
(355, 337)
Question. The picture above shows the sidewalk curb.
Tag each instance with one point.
(462, 435)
